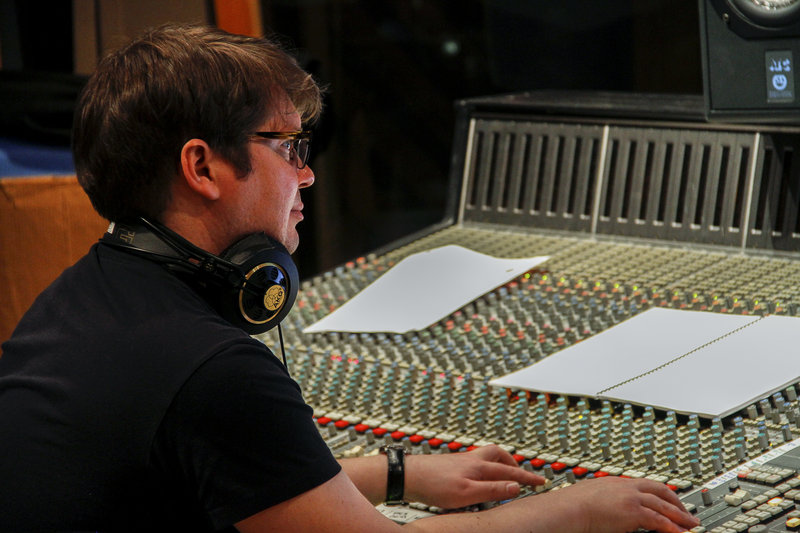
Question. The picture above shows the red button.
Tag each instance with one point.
(519, 458)
(323, 421)
(600, 473)
(454, 446)
(472, 447)
(416, 439)
(379, 432)
(673, 488)
(361, 428)
(557, 467)
(397, 435)
(579, 471)
(537, 463)
(435, 443)
(341, 424)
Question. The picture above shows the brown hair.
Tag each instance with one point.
(172, 84)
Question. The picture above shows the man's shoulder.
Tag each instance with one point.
(112, 302)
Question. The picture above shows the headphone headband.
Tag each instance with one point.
(253, 283)
(159, 243)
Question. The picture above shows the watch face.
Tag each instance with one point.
(396, 473)
(398, 447)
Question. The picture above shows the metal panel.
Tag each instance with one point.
(674, 184)
(677, 180)
(774, 222)
(533, 174)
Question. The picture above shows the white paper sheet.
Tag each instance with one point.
(422, 289)
(628, 349)
(727, 375)
(688, 361)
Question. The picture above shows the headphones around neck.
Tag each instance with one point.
(252, 283)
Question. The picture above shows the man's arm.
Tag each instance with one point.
(450, 481)
(607, 505)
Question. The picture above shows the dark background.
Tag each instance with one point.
(394, 69)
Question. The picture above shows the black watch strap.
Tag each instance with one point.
(395, 481)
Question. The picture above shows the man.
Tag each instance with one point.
(128, 401)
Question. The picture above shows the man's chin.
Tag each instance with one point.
(291, 242)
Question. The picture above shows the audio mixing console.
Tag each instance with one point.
(429, 389)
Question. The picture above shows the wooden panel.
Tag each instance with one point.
(46, 224)
(239, 16)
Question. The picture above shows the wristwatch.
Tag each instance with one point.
(395, 482)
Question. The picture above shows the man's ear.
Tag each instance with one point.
(201, 168)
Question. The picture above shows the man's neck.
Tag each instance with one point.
(202, 232)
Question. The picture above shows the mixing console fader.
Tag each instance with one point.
(634, 212)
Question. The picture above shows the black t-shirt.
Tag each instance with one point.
(127, 403)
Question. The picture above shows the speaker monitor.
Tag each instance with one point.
(749, 49)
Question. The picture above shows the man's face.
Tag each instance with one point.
(269, 197)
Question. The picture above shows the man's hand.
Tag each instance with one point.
(606, 505)
(458, 479)
(613, 504)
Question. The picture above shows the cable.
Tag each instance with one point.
(283, 350)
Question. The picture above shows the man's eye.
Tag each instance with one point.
(286, 145)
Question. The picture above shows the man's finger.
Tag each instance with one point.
(676, 514)
(495, 490)
(495, 454)
(497, 471)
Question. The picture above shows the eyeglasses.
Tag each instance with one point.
(296, 145)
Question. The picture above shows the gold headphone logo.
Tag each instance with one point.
(274, 298)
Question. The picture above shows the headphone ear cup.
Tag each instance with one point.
(270, 286)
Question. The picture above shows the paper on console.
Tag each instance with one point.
(422, 289)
